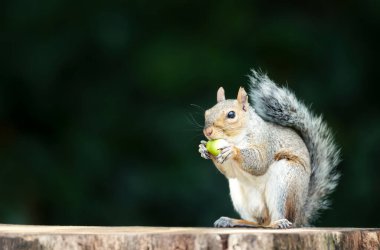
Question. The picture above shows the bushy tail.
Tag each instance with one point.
(279, 105)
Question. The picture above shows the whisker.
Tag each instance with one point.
(197, 106)
(192, 129)
(192, 120)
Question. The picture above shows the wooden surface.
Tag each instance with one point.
(67, 237)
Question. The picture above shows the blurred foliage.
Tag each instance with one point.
(96, 121)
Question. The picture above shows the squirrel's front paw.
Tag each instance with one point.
(203, 150)
(225, 153)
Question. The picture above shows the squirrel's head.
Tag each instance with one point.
(228, 118)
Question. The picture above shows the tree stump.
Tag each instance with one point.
(78, 237)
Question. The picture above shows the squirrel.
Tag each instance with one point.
(280, 159)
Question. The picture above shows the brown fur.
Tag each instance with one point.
(222, 127)
(244, 223)
(290, 207)
(261, 148)
(264, 219)
(237, 156)
(219, 123)
(289, 156)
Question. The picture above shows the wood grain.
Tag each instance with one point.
(80, 237)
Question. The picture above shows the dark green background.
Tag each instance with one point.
(95, 117)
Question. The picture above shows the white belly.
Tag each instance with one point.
(247, 196)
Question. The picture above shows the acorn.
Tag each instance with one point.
(214, 146)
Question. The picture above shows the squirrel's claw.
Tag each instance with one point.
(203, 150)
(225, 153)
(223, 222)
(282, 224)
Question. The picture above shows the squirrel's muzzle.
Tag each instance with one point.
(208, 131)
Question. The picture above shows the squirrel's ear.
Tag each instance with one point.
(243, 98)
(220, 95)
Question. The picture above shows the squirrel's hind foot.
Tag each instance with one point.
(229, 222)
(281, 224)
(225, 222)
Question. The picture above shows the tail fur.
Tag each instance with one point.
(279, 105)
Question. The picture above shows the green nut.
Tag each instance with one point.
(214, 146)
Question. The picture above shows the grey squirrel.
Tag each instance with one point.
(280, 159)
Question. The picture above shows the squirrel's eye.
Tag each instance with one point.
(231, 115)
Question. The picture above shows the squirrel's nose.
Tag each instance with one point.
(208, 131)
